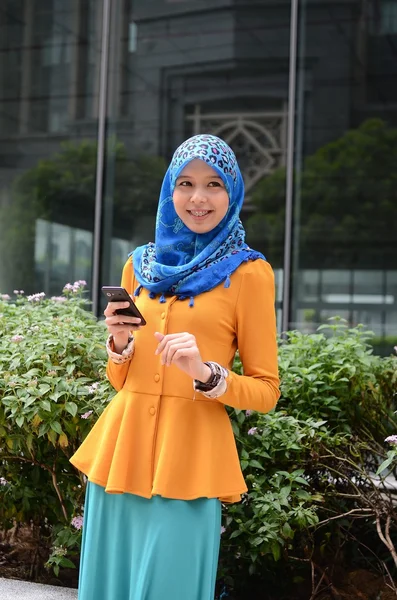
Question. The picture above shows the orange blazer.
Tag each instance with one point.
(158, 436)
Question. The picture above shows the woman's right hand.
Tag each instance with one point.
(120, 326)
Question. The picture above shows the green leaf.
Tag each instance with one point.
(386, 463)
(20, 420)
(257, 465)
(56, 426)
(235, 533)
(287, 531)
(276, 551)
(46, 405)
(71, 408)
(44, 388)
(65, 562)
(70, 368)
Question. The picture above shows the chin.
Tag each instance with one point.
(200, 228)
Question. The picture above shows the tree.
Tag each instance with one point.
(347, 199)
(61, 189)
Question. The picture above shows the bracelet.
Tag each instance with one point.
(126, 354)
(218, 374)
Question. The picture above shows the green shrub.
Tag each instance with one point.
(52, 388)
(309, 464)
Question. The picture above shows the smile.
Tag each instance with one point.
(199, 213)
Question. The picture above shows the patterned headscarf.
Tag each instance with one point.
(181, 262)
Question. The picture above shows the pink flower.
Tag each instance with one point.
(77, 522)
(17, 338)
(223, 529)
(392, 439)
(59, 298)
(75, 287)
(252, 431)
(5, 297)
(86, 415)
(395, 349)
(36, 297)
(3, 481)
(248, 413)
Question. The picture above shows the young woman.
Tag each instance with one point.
(162, 456)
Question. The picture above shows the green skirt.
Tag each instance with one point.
(139, 549)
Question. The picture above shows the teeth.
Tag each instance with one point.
(199, 213)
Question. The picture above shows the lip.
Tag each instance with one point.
(198, 219)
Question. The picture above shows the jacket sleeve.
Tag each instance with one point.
(258, 387)
(116, 373)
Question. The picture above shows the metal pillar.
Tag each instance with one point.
(102, 109)
(290, 167)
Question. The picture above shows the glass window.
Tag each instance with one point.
(195, 68)
(346, 141)
(383, 17)
(48, 147)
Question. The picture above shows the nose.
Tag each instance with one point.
(198, 196)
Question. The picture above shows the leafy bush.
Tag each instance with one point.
(310, 464)
(52, 387)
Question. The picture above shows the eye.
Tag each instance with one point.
(184, 183)
(215, 184)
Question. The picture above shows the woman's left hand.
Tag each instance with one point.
(181, 349)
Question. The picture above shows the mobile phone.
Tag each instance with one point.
(120, 294)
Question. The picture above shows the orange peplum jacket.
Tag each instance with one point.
(158, 436)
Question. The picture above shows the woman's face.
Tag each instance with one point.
(200, 197)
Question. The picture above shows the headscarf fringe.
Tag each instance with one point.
(162, 299)
(191, 302)
(152, 295)
(138, 290)
(227, 281)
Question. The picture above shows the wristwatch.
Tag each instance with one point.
(217, 374)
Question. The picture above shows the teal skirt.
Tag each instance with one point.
(139, 549)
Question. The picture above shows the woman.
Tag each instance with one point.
(162, 457)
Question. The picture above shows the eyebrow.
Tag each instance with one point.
(208, 177)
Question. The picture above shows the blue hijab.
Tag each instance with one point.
(181, 262)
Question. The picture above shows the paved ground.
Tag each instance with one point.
(11, 589)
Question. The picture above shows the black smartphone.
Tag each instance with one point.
(120, 294)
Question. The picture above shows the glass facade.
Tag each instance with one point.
(345, 202)
(96, 95)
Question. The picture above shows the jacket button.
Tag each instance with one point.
(152, 410)
(157, 377)
(163, 315)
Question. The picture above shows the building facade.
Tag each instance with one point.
(96, 94)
